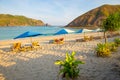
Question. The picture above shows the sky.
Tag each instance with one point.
(53, 12)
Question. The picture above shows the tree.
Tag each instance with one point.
(111, 24)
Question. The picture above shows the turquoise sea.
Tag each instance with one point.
(11, 32)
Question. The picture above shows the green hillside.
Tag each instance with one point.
(11, 20)
(94, 17)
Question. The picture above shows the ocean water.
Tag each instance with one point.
(11, 32)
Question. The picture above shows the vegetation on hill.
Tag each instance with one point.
(94, 17)
(10, 20)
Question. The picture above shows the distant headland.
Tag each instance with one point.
(17, 20)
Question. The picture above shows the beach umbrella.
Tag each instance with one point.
(84, 30)
(64, 31)
(97, 30)
(28, 34)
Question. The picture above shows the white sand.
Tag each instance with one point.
(39, 65)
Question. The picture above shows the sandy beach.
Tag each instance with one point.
(39, 64)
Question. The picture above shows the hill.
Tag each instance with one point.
(15, 20)
(94, 17)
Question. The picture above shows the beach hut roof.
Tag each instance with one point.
(64, 31)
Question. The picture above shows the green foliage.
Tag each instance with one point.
(112, 46)
(112, 23)
(69, 66)
(103, 50)
(117, 41)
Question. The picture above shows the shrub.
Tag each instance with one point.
(69, 67)
(112, 46)
(103, 50)
(117, 41)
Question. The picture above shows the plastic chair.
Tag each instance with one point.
(35, 45)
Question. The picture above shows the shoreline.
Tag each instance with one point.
(47, 38)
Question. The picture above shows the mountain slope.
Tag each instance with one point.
(94, 17)
(10, 20)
